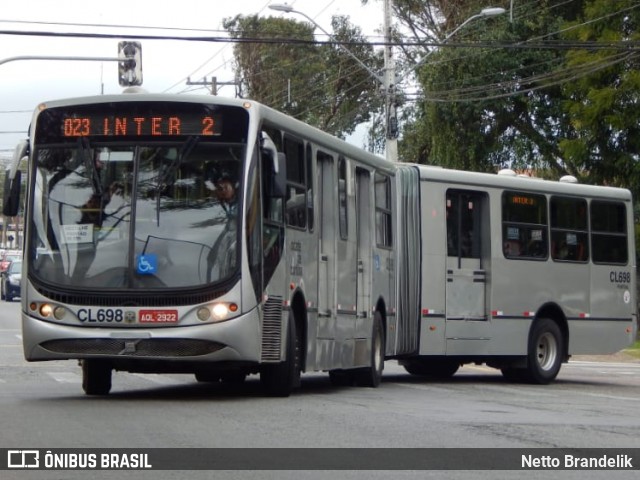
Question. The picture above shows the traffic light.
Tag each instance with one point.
(130, 65)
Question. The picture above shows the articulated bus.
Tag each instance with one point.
(220, 238)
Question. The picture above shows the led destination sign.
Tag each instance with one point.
(131, 120)
(136, 125)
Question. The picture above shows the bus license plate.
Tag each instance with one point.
(158, 316)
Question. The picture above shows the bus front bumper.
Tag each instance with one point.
(235, 340)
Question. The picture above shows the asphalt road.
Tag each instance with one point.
(593, 404)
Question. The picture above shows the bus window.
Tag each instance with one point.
(524, 226)
(569, 240)
(463, 224)
(608, 232)
(296, 204)
(310, 199)
(342, 198)
(383, 210)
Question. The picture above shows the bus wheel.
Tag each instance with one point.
(444, 368)
(341, 378)
(372, 375)
(441, 369)
(545, 352)
(280, 379)
(234, 378)
(514, 375)
(207, 377)
(96, 377)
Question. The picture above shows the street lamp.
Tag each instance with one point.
(283, 7)
(386, 81)
(485, 12)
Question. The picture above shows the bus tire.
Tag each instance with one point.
(371, 376)
(514, 375)
(342, 378)
(280, 379)
(96, 377)
(233, 378)
(207, 377)
(545, 352)
(435, 368)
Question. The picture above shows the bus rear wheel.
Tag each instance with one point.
(96, 377)
(436, 368)
(545, 352)
(371, 376)
(280, 379)
(341, 378)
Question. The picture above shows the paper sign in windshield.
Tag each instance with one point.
(82, 233)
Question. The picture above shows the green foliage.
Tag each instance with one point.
(603, 107)
(319, 84)
(554, 110)
(465, 130)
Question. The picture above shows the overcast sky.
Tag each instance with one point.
(166, 64)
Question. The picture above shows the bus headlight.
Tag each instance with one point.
(220, 311)
(217, 311)
(203, 314)
(47, 310)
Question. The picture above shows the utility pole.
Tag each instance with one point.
(213, 83)
(387, 80)
(391, 107)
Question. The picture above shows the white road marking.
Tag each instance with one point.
(65, 377)
(159, 379)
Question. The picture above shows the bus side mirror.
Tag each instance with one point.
(11, 200)
(280, 176)
(275, 172)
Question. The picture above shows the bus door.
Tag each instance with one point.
(467, 256)
(364, 235)
(346, 271)
(326, 329)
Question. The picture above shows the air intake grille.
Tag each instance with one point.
(271, 329)
(156, 347)
(128, 298)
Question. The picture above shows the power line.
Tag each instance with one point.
(554, 45)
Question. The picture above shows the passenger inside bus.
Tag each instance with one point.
(226, 194)
(223, 252)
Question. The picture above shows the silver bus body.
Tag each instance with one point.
(349, 267)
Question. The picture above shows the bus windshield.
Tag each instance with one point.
(137, 213)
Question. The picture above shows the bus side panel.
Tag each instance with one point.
(612, 322)
(612, 312)
(433, 217)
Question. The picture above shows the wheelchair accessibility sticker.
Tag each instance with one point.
(147, 264)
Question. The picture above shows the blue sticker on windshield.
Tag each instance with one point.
(147, 264)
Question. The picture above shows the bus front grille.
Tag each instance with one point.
(156, 347)
(271, 329)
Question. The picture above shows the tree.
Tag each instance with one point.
(549, 108)
(483, 108)
(280, 64)
(604, 107)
